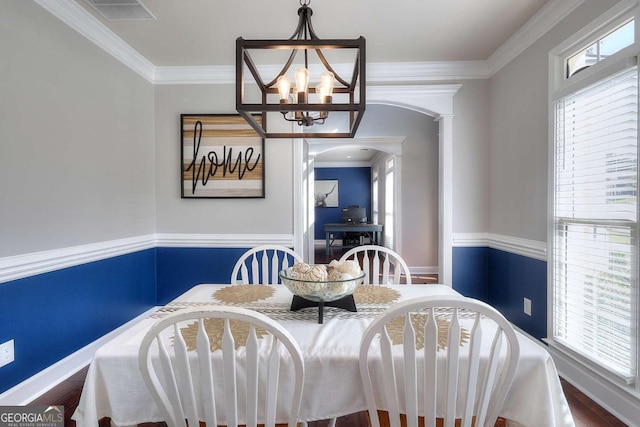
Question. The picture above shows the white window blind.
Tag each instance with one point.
(595, 222)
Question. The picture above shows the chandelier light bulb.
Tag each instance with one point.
(321, 93)
(284, 88)
(327, 80)
(302, 84)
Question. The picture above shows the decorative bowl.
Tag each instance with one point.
(322, 291)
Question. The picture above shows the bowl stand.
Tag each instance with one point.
(345, 303)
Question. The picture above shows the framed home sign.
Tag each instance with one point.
(221, 157)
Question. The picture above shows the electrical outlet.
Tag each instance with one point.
(6, 353)
(527, 306)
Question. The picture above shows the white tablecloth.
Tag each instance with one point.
(114, 387)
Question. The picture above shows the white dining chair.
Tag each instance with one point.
(262, 264)
(445, 359)
(180, 368)
(381, 265)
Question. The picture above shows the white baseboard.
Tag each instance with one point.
(30, 389)
(423, 270)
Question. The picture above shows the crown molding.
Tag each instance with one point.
(546, 18)
(392, 72)
(84, 23)
(215, 74)
(401, 72)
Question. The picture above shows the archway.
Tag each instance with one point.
(435, 101)
(381, 145)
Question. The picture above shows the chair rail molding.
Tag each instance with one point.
(26, 265)
(525, 247)
(21, 266)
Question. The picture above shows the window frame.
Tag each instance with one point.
(561, 85)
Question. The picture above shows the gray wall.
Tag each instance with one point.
(518, 152)
(76, 138)
(271, 215)
(470, 157)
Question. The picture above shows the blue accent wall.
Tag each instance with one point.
(470, 273)
(354, 188)
(503, 280)
(512, 278)
(54, 314)
(179, 269)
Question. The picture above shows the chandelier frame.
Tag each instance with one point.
(303, 40)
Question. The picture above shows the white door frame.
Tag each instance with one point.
(433, 100)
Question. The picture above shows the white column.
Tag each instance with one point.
(445, 198)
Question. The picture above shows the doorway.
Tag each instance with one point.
(435, 101)
(334, 161)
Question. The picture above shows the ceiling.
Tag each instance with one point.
(347, 154)
(202, 33)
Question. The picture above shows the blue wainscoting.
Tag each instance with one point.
(179, 269)
(470, 273)
(515, 277)
(51, 315)
(503, 280)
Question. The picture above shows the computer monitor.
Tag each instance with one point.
(354, 214)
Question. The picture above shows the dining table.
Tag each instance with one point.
(114, 387)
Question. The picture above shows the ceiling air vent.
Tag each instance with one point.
(121, 10)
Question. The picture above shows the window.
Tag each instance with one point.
(594, 264)
(605, 46)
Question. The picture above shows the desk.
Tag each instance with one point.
(375, 230)
(114, 387)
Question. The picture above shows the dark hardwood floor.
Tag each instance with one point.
(586, 412)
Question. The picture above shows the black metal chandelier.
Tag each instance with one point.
(333, 95)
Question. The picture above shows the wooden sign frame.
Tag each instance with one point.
(221, 156)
